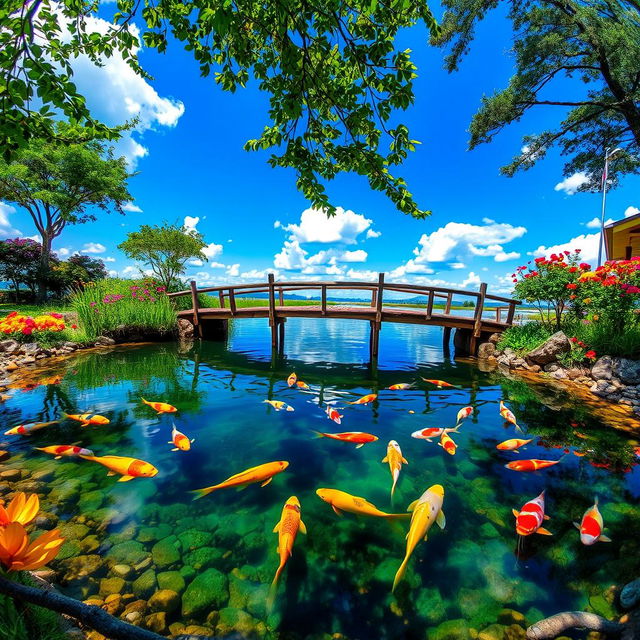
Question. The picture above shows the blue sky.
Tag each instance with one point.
(188, 152)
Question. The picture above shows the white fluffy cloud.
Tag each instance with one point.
(314, 226)
(190, 224)
(587, 243)
(93, 247)
(572, 183)
(6, 229)
(212, 250)
(108, 259)
(233, 270)
(131, 208)
(115, 94)
(63, 252)
(631, 211)
(594, 223)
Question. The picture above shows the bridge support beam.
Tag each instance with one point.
(374, 341)
(214, 329)
(466, 343)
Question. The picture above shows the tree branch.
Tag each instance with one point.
(556, 625)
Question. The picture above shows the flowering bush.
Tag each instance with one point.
(18, 325)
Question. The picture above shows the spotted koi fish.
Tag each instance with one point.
(29, 428)
(179, 441)
(591, 526)
(512, 445)
(365, 399)
(279, 405)
(395, 459)
(529, 519)
(287, 529)
(358, 437)
(160, 407)
(441, 384)
(402, 386)
(508, 416)
(85, 419)
(530, 465)
(334, 415)
(292, 379)
(448, 444)
(433, 432)
(465, 412)
(60, 450)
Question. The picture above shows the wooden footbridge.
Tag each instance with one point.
(469, 329)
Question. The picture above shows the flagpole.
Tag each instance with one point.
(604, 203)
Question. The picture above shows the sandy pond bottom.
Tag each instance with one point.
(160, 560)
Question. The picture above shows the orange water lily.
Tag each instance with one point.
(21, 509)
(17, 554)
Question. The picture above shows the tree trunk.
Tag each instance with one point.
(43, 270)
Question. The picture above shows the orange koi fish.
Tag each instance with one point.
(591, 526)
(179, 440)
(333, 414)
(86, 419)
(465, 412)
(279, 405)
(427, 509)
(160, 407)
(440, 384)
(60, 450)
(507, 416)
(303, 385)
(448, 444)
(402, 386)
(29, 428)
(529, 519)
(358, 437)
(365, 399)
(395, 459)
(292, 379)
(512, 445)
(287, 529)
(433, 432)
(530, 465)
(128, 468)
(342, 501)
(636, 450)
(262, 473)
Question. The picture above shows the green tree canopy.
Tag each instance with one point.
(61, 184)
(332, 70)
(595, 43)
(19, 258)
(165, 249)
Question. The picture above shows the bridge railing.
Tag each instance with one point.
(504, 313)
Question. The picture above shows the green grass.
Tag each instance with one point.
(135, 310)
(605, 339)
(523, 338)
(33, 309)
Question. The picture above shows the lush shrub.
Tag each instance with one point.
(523, 338)
(29, 328)
(603, 338)
(112, 305)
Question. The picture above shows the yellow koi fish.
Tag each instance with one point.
(302, 385)
(395, 459)
(86, 419)
(365, 399)
(160, 407)
(292, 379)
(179, 441)
(508, 416)
(427, 509)
(287, 529)
(128, 468)
(401, 386)
(342, 501)
(279, 405)
(263, 473)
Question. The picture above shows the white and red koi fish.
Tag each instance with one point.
(279, 405)
(441, 384)
(292, 379)
(334, 415)
(433, 432)
(179, 441)
(591, 526)
(395, 459)
(401, 386)
(529, 519)
(465, 412)
(60, 450)
(507, 415)
(365, 399)
(448, 444)
(512, 445)
(29, 428)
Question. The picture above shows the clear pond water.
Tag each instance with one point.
(219, 553)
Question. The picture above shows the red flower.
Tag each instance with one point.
(572, 285)
(574, 339)
(27, 331)
(573, 269)
(573, 296)
(585, 266)
(74, 326)
(590, 354)
(12, 314)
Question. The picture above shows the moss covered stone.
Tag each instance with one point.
(172, 580)
(164, 600)
(236, 621)
(145, 584)
(166, 552)
(450, 630)
(208, 590)
(203, 558)
(130, 552)
(153, 534)
(110, 586)
(194, 539)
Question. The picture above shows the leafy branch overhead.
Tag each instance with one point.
(595, 43)
(332, 71)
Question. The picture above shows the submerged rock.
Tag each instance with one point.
(208, 590)
(237, 621)
(203, 558)
(156, 622)
(166, 552)
(450, 630)
(130, 552)
(172, 580)
(630, 594)
(164, 600)
(80, 567)
(145, 585)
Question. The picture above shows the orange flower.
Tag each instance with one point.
(21, 509)
(16, 554)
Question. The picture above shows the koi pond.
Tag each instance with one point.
(153, 556)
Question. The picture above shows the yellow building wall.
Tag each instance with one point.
(622, 236)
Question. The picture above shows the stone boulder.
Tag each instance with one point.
(549, 351)
(9, 346)
(630, 595)
(207, 591)
(104, 341)
(486, 350)
(628, 371)
(185, 329)
(603, 368)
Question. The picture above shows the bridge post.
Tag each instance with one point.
(195, 305)
(477, 318)
(272, 313)
(374, 338)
